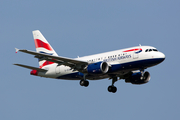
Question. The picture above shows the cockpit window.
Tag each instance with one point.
(149, 50)
(155, 50)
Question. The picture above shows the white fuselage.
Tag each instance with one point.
(121, 61)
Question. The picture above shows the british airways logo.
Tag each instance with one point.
(139, 51)
(136, 50)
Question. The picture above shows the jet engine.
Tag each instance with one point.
(98, 68)
(138, 78)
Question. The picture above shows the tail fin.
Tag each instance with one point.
(42, 46)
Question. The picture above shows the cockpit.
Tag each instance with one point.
(150, 50)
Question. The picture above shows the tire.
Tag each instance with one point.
(84, 83)
(112, 89)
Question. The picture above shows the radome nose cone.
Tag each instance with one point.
(162, 57)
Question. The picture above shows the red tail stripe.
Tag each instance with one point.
(46, 63)
(39, 43)
(132, 50)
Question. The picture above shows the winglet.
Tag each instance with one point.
(16, 50)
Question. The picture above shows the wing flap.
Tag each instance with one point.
(32, 68)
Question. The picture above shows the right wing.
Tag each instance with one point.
(74, 64)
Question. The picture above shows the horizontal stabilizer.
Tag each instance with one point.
(32, 68)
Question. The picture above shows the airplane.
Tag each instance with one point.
(128, 64)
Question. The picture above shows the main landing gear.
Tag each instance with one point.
(84, 82)
(112, 88)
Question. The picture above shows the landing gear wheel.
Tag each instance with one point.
(84, 83)
(112, 89)
(81, 82)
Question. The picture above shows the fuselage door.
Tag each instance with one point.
(135, 55)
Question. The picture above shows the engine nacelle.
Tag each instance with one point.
(98, 68)
(137, 78)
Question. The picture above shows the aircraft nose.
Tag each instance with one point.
(162, 56)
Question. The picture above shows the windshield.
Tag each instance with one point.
(149, 50)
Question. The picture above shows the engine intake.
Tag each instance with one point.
(98, 68)
(137, 78)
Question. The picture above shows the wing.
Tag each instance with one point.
(30, 67)
(74, 64)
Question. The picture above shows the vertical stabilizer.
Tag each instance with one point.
(42, 46)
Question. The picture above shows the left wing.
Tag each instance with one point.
(30, 67)
(74, 64)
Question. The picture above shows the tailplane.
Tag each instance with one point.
(42, 46)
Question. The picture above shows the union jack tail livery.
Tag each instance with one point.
(128, 64)
(42, 46)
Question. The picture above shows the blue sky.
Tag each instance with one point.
(79, 28)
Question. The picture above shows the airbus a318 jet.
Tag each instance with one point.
(128, 64)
